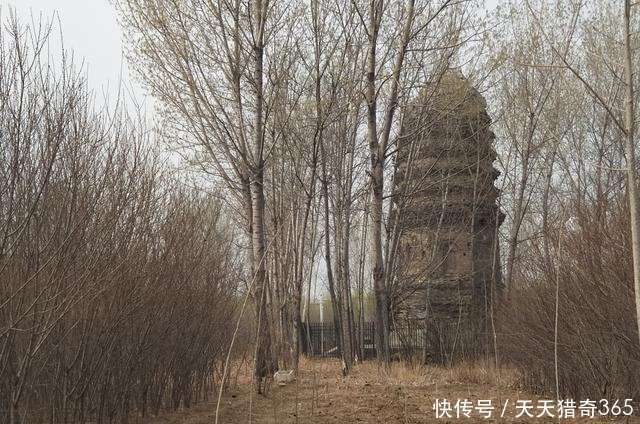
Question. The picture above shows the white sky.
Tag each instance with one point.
(90, 29)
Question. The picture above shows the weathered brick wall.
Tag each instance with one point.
(446, 200)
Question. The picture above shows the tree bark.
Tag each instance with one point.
(263, 360)
(631, 162)
(337, 319)
(377, 187)
(378, 149)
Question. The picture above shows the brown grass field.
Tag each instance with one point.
(404, 395)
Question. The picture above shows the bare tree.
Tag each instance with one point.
(630, 147)
(576, 263)
(624, 124)
(116, 278)
(388, 84)
(206, 63)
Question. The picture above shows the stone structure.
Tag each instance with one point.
(446, 204)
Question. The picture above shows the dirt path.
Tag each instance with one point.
(369, 395)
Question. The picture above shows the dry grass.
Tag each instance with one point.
(404, 394)
(419, 375)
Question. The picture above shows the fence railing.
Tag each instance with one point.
(319, 339)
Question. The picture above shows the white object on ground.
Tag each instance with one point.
(284, 377)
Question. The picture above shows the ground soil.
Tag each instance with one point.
(404, 395)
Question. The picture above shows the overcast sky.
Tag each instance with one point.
(90, 29)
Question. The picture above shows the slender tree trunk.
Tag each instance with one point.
(382, 305)
(515, 226)
(630, 153)
(377, 151)
(361, 263)
(377, 186)
(545, 209)
(263, 359)
(299, 271)
(376, 239)
(337, 321)
(347, 333)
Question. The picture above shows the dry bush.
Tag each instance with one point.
(115, 279)
(598, 354)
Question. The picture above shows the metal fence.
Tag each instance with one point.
(440, 342)
(319, 339)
